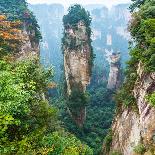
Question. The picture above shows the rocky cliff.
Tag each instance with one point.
(76, 63)
(132, 129)
(77, 60)
(29, 47)
(114, 74)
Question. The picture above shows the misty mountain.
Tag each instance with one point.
(50, 22)
(109, 33)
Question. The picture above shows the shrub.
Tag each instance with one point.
(151, 99)
(108, 141)
(140, 149)
(115, 153)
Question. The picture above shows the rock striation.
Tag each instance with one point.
(77, 55)
(134, 128)
(114, 74)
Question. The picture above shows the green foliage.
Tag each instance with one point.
(64, 144)
(151, 99)
(28, 123)
(100, 111)
(136, 4)
(142, 29)
(20, 99)
(76, 14)
(77, 99)
(115, 153)
(140, 149)
(19, 11)
(108, 141)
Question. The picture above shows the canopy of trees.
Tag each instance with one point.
(28, 124)
(10, 36)
(18, 10)
(75, 14)
(142, 29)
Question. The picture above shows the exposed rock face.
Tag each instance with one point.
(114, 75)
(76, 61)
(76, 69)
(28, 46)
(133, 128)
(76, 64)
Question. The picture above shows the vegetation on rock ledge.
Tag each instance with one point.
(142, 28)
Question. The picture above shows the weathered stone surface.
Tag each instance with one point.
(114, 75)
(76, 69)
(132, 128)
(77, 65)
(28, 47)
(76, 61)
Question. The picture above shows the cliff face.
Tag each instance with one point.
(76, 61)
(77, 69)
(77, 64)
(29, 47)
(29, 29)
(114, 75)
(130, 128)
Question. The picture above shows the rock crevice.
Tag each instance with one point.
(131, 128)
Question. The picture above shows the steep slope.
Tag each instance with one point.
(133, 129)
(115, 72)
(77, 59)
(30, 34)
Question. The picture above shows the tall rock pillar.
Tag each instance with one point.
(114, 74)
(77, 61)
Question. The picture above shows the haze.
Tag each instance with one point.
(66, 3)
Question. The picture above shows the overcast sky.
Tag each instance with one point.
(107, 3)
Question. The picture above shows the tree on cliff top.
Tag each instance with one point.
(18, 10)
(77, 13)
(142, 29)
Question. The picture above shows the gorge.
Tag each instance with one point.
(79, 81)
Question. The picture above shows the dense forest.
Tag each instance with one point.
(69, 109)
(29, 125)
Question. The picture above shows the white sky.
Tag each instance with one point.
(66, 3)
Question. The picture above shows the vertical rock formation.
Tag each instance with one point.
(29, 46)
(114, 75)
(77, 62)
(131, 128)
